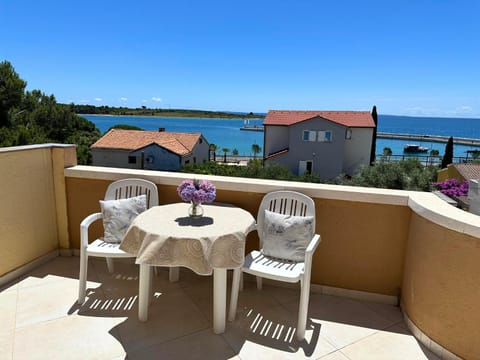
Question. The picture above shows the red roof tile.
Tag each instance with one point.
(178, 143)
(345, 118)
(468, 171)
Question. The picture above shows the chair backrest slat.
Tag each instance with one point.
(127, 188)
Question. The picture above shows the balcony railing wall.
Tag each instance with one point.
(33, 216)
(396, 244)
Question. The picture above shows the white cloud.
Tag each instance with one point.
(156, 99)
(123, 99)
(84, 101)
(464, 109)
(144, 101)
(98, 99)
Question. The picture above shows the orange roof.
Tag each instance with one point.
(345, 118)
(178, 143)
(468, 171)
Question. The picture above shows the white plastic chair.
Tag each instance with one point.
(119, 189)
(256, 263)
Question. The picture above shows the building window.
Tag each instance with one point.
(324, 136)
(187, 162)
(132, 159)
(194, 160)
(309, 135)
(348, 134)
(200, 141)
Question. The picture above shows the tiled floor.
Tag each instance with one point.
(40, 319)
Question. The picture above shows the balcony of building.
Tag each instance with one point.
(395, 276)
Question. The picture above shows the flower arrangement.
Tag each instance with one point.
(197, 191)
(452, 187)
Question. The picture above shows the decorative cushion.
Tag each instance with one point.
(287, 236)
(119, 214)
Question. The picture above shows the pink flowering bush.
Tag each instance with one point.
(196, 191)
(452, 187)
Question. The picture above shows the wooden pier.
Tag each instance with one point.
(432, 138)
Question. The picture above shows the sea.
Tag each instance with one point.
(226, 133)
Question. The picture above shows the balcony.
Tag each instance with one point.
(380, 248)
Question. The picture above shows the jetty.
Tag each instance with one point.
(432, 138)
(252, 128)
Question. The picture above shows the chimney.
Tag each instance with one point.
(162, 129)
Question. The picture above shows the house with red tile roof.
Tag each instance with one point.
(151, 150)
(326, 143)
(459, 171)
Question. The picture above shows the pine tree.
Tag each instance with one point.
(448, 157)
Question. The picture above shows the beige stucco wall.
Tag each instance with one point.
(33, 213)
(441, 286)
(358, 237)
(450, 172)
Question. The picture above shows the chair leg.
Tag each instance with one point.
(259, 283)
(236, 281)
(241, 281)
(303, 309)
(110, 265)
(82, 283)
(174, 274)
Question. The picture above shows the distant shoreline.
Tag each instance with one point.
(159, 112)
(178, 117)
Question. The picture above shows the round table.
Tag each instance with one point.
(166, 236)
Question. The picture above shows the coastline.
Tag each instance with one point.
(173, 117)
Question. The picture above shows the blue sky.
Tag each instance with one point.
(410, 57)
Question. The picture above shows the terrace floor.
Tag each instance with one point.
(41, 320)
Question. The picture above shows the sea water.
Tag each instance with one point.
(226, 133)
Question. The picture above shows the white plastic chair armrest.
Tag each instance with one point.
(84, 225)
(312, 246)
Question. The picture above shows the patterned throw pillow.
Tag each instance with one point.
(287, 236)
(119, 214)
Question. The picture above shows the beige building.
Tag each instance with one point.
(326, 143)
(150, 150)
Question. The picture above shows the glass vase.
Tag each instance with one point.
(195, 210)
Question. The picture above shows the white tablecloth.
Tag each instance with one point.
(166, 236)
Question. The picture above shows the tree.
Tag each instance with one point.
(11, 91)
(212, 148)
(234, 152)
(387, 152)
(33, 117)
(433, 154)
(374, 137)
(448, 157)
(256, 149)
(225, 151)
(125, 127)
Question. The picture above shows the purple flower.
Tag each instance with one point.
(197, 191)
(452, 187)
